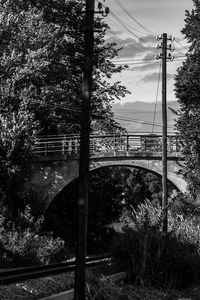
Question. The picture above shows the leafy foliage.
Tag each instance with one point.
(23, 243)
(187, 90)
(154, 259)
(41, 66)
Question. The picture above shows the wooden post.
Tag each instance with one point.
(84, 154)
(164, 131)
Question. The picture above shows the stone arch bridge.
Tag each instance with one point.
(56, 161)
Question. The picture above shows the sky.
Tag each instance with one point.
(134, 25)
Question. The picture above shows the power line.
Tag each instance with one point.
(138, 121)
(121, 27)
(132, 17)
(156, 102)
(134, 60)
(129, 46)
(178, 42)
(117, 117)
(124, 25)
(142, 61)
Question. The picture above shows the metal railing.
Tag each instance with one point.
(129, 143)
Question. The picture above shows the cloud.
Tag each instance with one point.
(144, 67)
(148, 39)
(154, 77)
(132, 47)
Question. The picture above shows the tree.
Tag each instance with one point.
(187, 88)
(41, 55)
(44, 49)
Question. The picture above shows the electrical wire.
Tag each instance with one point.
(133, 18)
(129, 46)
(117, 117)
(139, 121)
(184, 47)
(137, 63)
(156, 102)
(124, 25)
(134, 60)
(119, 26)
(142, 62)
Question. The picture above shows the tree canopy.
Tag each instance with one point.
(187, 88)
(41, 62)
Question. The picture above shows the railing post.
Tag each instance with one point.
(45, 148)
(63, 147)
(76, 145)
(170, 145)
(127, 144)
(114, 141)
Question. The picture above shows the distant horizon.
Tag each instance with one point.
(141, 101)
(140, 116)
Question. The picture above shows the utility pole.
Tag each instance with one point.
(164, 58)
(84, 160)
(164, 131)
(84, 153)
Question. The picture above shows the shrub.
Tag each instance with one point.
(151, 258)
(23, 243)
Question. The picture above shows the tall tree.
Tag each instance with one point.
(187, 88)
(41, 57)
(43, 46)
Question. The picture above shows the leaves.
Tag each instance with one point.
(187, 89)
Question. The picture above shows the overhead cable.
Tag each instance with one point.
(133, 18)
(156, 102)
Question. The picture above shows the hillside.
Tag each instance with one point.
(140, 112)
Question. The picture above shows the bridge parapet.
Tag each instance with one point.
(110, 145)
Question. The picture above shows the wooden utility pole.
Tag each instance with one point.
(164, 58)
(84, 154)
(164, 130)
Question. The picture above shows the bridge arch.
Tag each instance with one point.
(51, 177)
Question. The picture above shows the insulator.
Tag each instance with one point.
(158, 56)
(170, 57)
(159, 37)
(107, 10)
(171, 48)
(159, 46)
(100, 6)
(171, 38)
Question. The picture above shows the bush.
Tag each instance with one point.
(23, 243)
(151, 258)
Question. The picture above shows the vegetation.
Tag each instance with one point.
(42, 63)
(25, 244)
(151, 259)
(41, 51)
(41, 54)
(41, 67)
(187, 90)
(111, 191)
